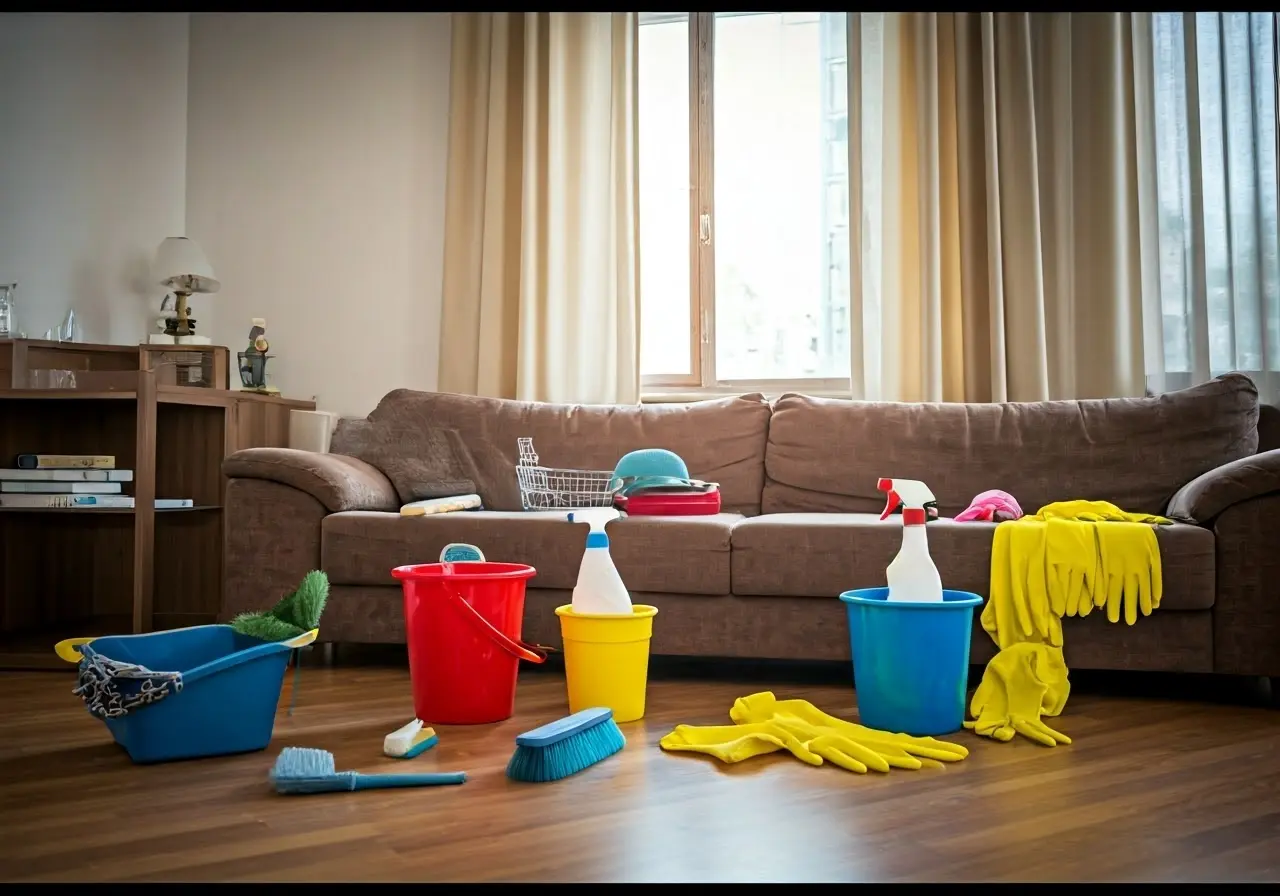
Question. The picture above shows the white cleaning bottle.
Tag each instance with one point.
(599, 590)
(912, 575)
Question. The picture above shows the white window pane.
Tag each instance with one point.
(781, 206)
(665, 234)
(1173, 187)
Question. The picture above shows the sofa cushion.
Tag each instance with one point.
(721, 440)
(826, 454)
(673, 555)
(825, 554)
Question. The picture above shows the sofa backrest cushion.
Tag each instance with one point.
(826, 454)
(421, 439)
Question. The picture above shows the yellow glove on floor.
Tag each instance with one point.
(1019, 608)
(1131, 577)
(1095, 511)
(1021, 683)
(734, 743)
(1071, 554)
(899, 750)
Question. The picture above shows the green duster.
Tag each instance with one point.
(295, 614)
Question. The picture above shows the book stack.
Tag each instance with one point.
(71, 481)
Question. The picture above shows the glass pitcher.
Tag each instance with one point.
(8, 323)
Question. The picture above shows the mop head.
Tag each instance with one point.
(295, 614)
(565, 747)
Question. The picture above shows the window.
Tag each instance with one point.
(744, 200)
(1214, 78)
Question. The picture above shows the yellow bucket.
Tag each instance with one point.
(606, 659)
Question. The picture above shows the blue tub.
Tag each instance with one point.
(910, 660)
(227, 704)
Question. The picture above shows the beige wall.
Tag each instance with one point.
(315, 183)
(93, 134)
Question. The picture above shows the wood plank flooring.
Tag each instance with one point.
(1151, 790)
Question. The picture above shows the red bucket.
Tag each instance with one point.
(462, 622)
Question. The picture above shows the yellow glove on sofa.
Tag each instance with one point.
(1132, 578)
(1019, 608)
(1071, 557)
(1021, 683)
(1095, 512)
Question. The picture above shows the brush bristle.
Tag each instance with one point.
(307, 770)
(568, 756)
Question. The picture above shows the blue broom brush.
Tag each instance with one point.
(566, 746)
(308, 770)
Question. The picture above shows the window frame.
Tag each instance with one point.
(702, 381)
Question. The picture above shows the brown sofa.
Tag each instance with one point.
(800, 513)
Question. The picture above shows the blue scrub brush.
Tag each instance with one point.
(308, 770)
(566, 746)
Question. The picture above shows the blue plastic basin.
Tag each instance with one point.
(230, 689)
(910, 660)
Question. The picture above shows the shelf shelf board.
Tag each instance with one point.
(34, 649)
(106, 511)
(66, 395)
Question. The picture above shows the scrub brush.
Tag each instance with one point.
(308, 770)
(411, 740)
(566, 746)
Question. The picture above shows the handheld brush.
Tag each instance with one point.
(308, 770)
(566, 746)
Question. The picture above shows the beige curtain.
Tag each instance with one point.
(541, 268)
(1000, 239)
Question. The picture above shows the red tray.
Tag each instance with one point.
(671, 503)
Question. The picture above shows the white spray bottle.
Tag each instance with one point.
(912, 575)
(599, 590)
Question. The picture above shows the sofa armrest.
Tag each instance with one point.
(335, 480)
(1207, 496)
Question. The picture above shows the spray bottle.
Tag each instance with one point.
(599, 590)
(912, 575)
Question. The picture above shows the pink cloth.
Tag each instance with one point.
(993, 506)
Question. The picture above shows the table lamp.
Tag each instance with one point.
(181, 266)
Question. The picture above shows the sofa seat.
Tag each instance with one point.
(674, 555)
(778, 554)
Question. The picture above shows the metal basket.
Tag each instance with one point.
(548, 488)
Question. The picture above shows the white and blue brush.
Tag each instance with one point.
(412, 740)
(308, 770)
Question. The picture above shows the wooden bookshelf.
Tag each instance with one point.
(100, 571)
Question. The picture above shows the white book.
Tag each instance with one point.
(61, 488)
(88, 501)
(66, 475)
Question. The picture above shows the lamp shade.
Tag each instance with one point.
(180, 264)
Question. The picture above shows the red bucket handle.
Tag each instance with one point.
(519, 649)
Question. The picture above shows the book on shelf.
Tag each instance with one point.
(66, 461)
(60, 488)
(72, 475)
(125, 502)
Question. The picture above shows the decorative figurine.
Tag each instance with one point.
(253, 360)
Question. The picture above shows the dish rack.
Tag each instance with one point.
(551, 488)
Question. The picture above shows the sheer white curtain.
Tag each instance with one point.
(1211, 269)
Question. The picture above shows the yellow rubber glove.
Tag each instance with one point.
(734, 743)
(898, 750)
(1095, 511)
(1021, 683)
(1132, 577)
(1019, 606)
(1071, 554)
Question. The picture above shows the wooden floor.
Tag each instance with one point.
(1151, 790)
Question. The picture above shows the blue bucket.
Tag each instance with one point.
(910, 660)
(230, 690)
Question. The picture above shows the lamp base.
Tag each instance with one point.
(180, 324)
